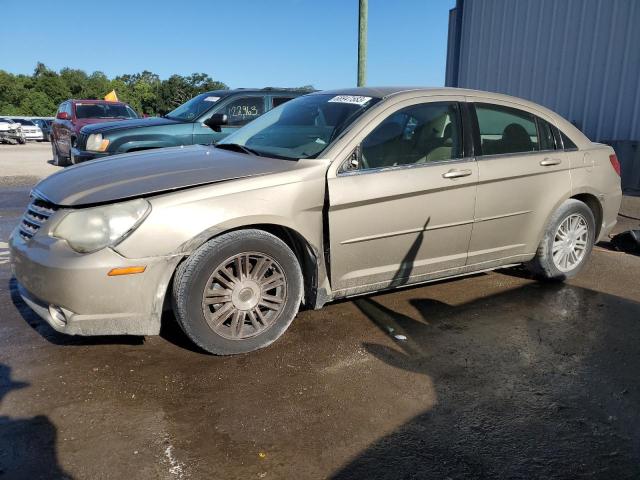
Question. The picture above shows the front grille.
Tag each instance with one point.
(37, 213)
(81, 141)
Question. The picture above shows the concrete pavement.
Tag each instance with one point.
(493, 376)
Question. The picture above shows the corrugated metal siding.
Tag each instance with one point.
(580, 58)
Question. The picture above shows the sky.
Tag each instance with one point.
(244, 43)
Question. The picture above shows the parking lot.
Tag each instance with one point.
(494, 375)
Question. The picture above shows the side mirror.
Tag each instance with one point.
(62, 116)
(215, 121)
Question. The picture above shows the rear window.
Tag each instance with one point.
(506, 130)
(277, 101)
(567, 143)
(104, 110)
(547, 141)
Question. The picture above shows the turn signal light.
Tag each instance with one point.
(615, 163)
(114, 272)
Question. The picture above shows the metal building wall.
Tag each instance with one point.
(580, 58)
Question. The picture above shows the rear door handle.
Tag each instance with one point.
(456, 173)
(547, 162)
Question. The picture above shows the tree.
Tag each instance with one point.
(37, 103)
(40, 93)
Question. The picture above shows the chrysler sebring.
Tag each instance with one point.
(330, 195)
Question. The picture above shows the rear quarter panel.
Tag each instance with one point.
(593, 174)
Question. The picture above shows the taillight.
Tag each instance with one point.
(615, 163)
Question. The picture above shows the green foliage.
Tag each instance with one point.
(41, 93)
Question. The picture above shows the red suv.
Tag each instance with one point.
(72, 115)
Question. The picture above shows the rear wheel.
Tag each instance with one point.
(567, 242)
(238, 292)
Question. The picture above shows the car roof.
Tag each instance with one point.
(94, 101)
(407, 92)
(385, 92)
(375, 92)
(232, 91)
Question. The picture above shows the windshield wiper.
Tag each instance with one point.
(238, 148)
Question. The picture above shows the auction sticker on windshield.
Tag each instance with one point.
(212, 99)
(353, 99)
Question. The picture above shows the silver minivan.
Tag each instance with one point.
(330, 195)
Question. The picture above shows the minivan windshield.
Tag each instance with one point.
(301, 128)
(192, 109)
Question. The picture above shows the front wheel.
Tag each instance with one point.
(238, 292)
(567, 242)
(57, 159)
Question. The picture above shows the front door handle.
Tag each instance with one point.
(456, 173)
(547, 162)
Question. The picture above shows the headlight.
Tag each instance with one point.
(94, 228)
(95, 143)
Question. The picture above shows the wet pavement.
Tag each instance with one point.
(493, 376)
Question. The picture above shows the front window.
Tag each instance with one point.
(27, 123)
(303, 127)
(193, 108)
(104, 110)
(242, 110)
(420, 134)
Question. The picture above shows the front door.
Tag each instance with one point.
(403, 212)
(239, 111)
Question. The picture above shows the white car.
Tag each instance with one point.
(10, 131)
(30, 130)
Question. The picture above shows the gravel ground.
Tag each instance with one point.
(25, 164)
(498, 377)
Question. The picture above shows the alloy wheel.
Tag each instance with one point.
(570, 242)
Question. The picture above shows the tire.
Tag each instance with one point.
(22, 140)
(57, 159)
(544, 266)
(248, 315)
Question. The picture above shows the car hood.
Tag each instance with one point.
(149, 172)
(127, 124)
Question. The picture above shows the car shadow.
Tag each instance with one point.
(27, 445)
(171, 332)
(52, 336)
(520, 394)
(534, 382)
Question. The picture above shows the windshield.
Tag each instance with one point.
(301, 128)
(24, 122)
(193, 108)
(104, 110)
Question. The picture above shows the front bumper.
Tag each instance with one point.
(34, 136)
(78, 156)
(73, 293)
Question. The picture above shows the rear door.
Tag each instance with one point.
(406, 211)
(522, 176)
